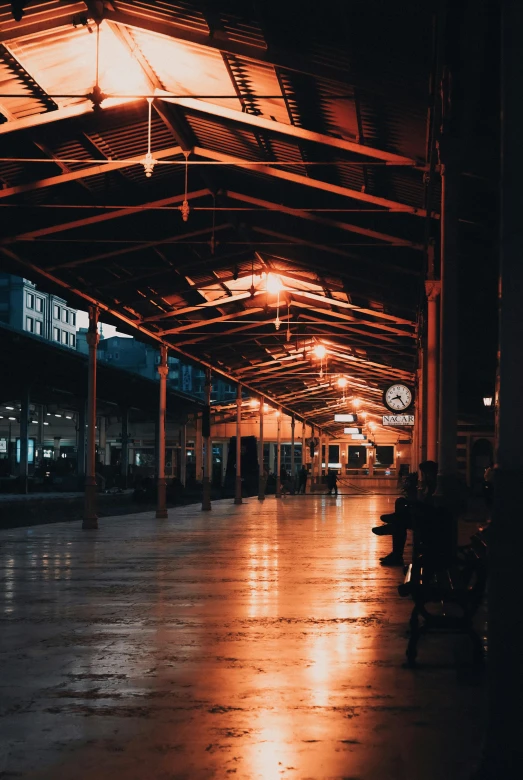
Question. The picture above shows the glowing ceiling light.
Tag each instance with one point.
(342, 382)
(356, 402)
(11, 408)
(320, 351)
(254, 403)
(273, 284)
(372, 425)
(265, 407)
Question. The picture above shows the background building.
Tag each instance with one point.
(24, 307)
(133, 355)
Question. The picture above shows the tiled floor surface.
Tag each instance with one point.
(253, 641)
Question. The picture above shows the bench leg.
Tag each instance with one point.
(412, 651)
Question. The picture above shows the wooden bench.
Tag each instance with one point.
(442, 574)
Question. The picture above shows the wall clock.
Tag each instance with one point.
(397, 397)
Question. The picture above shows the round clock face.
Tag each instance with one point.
(397, 397)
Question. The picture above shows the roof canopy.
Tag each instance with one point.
(302, 145)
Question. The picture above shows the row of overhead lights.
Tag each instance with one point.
(33, 422)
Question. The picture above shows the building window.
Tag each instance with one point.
(56, 312)
(65, 315)
(29, 324)
(39, 304)
(65, 334)
(38, 327)
(73, 318)
(30, 300)
(56, 334)
(72, 340)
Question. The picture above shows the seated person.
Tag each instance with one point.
(397, 522)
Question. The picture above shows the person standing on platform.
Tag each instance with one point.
(302, 480)
(332, 482)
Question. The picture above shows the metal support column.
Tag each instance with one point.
(312, 476)
(503, 748)
(238, 482)
(303, 445)
(102, 438)
(432, 288)
(183, 454)
(293, 468)
(320, 464)
(198, 448)
(448, 362)
(278, 455)
(24, 441)
(124, 453)
(207, 443)
(90, 519)
(163, 370)
(261, 478)
(80, 445)
(40, 442)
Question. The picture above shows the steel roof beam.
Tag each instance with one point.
(134, 248)
(294, 131)
(94, 170)
(334, 223)
(240, 329)
(347, 318)
(334, 250)
(212, 321)
(295, 178)
(105, 217)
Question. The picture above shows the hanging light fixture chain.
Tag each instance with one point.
(184, 208)
(148, 161)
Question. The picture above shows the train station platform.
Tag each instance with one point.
(252, 641)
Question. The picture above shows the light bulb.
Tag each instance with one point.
(253, 403)
(320, 351)
(342, 382)
(273, 284)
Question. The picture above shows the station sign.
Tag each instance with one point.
(359, 436)
(398, 419)
(346, 418)
(352, 430)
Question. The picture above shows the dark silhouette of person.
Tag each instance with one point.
(302, 479)
(332, 482)
(283, 479)
(398, 522)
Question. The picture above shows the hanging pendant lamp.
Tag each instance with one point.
(148, 161)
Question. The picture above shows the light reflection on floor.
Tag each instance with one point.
(259, 641)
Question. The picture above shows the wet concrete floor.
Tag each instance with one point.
(253, 641)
